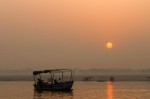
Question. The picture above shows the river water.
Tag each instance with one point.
(81, 90)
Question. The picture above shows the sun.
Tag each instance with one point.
(109, 45)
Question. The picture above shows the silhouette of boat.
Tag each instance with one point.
(112, 79)
(52, 83)
(101, 79)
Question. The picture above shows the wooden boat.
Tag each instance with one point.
(52, 83)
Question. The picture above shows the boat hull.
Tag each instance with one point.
(57, 87)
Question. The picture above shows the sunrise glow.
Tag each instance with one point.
(109, 45)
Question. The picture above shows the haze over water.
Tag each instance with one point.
(72, 34)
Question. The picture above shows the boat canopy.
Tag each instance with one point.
(52, 71)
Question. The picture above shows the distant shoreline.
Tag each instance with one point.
(82, 77)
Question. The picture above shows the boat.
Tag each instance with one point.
(52, 83)
(112, 79)
(88, 78)
(101, 79)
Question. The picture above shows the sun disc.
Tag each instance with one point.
(109, 45)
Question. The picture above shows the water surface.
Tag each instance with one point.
(81, 90)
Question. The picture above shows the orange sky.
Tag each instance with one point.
(64, 33)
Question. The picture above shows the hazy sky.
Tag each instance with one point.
(73, 33)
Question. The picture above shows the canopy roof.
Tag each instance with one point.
(51, 71)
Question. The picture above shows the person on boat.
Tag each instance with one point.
(40, 82)
(55, 81)
(59, 80)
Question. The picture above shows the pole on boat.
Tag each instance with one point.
(51, 76)
(40, 76)
(34, 79)
(71, 76)
(62, 76)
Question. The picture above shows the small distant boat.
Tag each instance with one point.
(52, 83)
(101, 79)
(112, 79)
(88, 78)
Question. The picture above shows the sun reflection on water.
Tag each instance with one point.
(109, 90)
